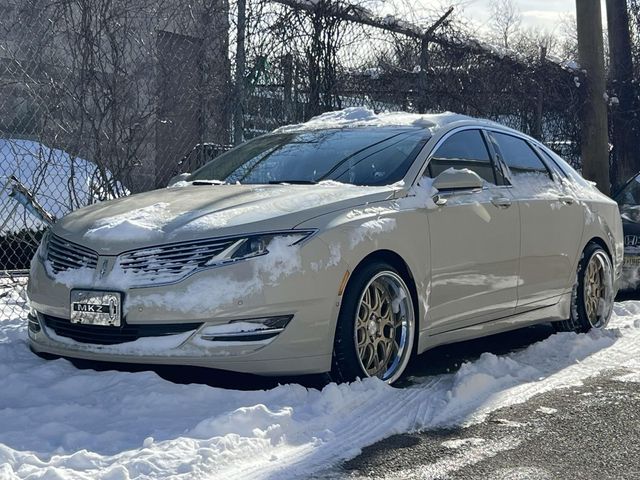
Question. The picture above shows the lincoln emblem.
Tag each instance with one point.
(103, 269)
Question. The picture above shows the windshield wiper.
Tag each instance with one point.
(293, 182)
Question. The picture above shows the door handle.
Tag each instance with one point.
(501, 202)
(566, 199)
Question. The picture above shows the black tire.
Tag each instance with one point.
(347, 365)
(580, 320)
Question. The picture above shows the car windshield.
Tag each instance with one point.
(629, 200)
(360, 156)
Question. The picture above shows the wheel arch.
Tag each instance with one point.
(599, 241)
(399, 263)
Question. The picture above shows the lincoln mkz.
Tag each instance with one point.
(347, 244)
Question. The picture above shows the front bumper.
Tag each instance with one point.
(308, 296)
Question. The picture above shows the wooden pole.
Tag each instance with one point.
(595, 138)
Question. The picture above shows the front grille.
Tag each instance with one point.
(102, 335)
(631, 241)
(168, 263)
(65, 255)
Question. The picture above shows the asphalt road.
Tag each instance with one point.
(590, 432)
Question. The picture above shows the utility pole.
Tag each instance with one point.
(626, 137)
(595, 138)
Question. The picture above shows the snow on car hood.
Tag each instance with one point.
(191, 212)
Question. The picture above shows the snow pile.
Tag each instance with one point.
(630, 278)
(361, 116)
(64, 423)
(61, 182)
(13, 298)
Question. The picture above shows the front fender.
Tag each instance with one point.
(363, 231)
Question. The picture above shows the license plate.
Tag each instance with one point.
(632, 261)
(96, 308)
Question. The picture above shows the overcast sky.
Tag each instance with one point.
(545, 14)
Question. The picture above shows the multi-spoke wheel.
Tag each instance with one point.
(375, 331)
(592, 297)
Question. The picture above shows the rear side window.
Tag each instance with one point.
(518, 155)
(465, 149)
(567, 170)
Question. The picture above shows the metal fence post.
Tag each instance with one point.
(287, 100)
(423, 80)
(536, 129)
(238, 117)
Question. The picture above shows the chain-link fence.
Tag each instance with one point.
(102, 98)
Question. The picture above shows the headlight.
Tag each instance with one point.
(41, 252)
(256, 245)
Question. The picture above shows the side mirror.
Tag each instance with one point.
(177, 178)
(452, 179)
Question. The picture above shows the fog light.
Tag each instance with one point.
(246, 330)
(34, 324)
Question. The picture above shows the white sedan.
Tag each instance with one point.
(346, 245)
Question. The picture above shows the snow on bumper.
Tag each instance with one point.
(219, 302)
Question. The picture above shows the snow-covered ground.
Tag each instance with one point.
(59, 422)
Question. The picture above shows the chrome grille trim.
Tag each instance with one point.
(65, 255)
(169, 263)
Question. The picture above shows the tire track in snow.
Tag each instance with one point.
(587, 355)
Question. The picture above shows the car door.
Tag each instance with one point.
(551, 220)
(474, 239)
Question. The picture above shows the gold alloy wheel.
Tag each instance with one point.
(384, 328)
(597, 289)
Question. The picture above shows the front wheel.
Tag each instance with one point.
(376, 326)
(593, 293)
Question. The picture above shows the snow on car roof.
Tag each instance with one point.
(361, 116)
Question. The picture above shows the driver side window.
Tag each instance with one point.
(465, 149)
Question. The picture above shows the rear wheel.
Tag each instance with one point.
(376, 326)
(592, 296)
